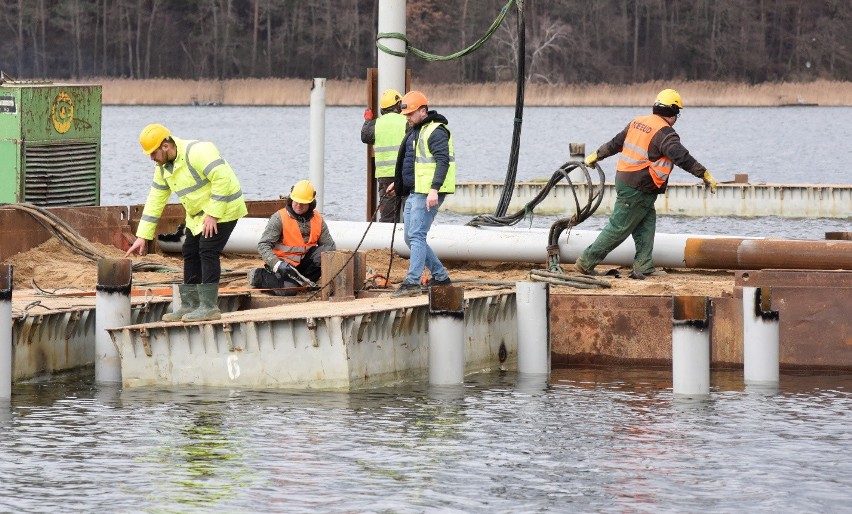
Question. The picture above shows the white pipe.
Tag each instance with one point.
(317, 143)
(446, 339)
(391, 67)
(761, 340)
(690, 348)
(690, 361)
(177, 303)
(533, 327)
(112, 310)
(463, 243)
(6, 286)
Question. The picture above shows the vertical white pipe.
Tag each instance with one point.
(177, 303)
(6, 286)
(691, 347)
(761, 338)
(391, 67)
(317, 144)
(446, 335)
(533, 327)
(112, 309)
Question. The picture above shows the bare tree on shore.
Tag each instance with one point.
(615, 41)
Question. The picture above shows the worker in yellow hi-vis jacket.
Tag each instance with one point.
(211, 195)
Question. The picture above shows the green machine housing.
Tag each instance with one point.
(50, 144)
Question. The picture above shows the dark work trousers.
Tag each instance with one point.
(201, 254)
(309, 267)
(389, 209)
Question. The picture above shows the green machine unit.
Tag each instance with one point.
(50, 144)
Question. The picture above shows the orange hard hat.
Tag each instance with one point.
(412, 101)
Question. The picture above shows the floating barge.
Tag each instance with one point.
(357, 344)
(368, 342)
(692, 199)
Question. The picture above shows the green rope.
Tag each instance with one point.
(432, 57)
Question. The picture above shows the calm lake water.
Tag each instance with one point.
(584, 440)
(269, 149)
(587, 440)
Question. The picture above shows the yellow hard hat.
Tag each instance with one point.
(669, 98)
(412, 101)
(389, 98)
(303, 192)
(152, 136)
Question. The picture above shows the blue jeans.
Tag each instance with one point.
(418, 221)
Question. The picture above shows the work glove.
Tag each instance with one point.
(710, 182)
(592, 159)
(285, 270)
(368, 114)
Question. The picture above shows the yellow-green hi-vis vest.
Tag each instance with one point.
(204, 184)
(425, 164)
(389, 130)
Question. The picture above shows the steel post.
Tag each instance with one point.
(691, 346)
(391, 67)
(533, 299)
(112, 310)
(446, 335)
(6, 286)
(317, 142)
(761, 337)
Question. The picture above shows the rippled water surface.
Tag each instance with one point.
(588, 440)
(269, 148)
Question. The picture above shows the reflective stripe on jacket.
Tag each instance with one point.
(425, 163)
(389, 131)
(634, 153)
(204, 184)
(292, 246)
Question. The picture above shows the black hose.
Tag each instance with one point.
(512, 169)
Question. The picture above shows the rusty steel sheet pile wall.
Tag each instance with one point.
(815, 317)
(110, 225)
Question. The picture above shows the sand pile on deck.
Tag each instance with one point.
(53, 266)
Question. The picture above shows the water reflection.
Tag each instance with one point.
(583, 439)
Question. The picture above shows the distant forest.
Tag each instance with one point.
(566, 41)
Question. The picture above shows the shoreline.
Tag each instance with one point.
(296, 92)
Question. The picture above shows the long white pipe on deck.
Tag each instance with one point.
(317, 142)
(463, 243)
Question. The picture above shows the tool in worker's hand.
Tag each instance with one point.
(293, 274)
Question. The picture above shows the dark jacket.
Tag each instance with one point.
(666, 143)
(439, 145)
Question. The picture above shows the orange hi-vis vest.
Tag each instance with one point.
(292, 246)
(634, 153)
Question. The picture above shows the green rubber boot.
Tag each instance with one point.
(208, 310)
(188, 302)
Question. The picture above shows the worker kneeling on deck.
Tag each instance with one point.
(291, 244)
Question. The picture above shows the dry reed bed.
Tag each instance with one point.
(289, 92)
